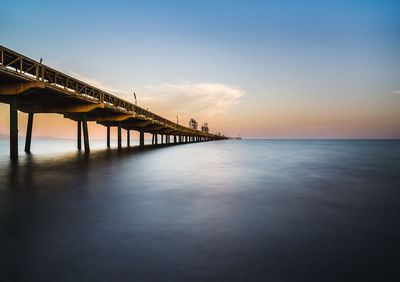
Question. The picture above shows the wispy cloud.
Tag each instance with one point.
(396, 91)
(97, 83)
(192, 99)
(186, 99)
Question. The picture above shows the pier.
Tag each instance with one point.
(32, 87)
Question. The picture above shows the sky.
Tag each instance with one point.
(261, 69)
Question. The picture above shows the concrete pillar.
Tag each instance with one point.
(29, 133)
(13, 128)
(128, 138)
(85, 133)
(174, 139)
(119, 136)
(79, 135)
(141, 138)
(108, 136)
(155, 139)
(162, 138)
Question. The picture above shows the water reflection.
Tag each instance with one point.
(43, 171)
(227, 210)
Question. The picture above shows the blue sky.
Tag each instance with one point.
(265, 69)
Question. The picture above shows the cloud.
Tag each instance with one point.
(98, 84)
(189, 99)
(396, 92)
(185, 99)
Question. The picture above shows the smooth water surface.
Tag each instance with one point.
(237, 210)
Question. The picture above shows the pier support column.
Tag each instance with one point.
(128, 138)
(119, 136)
(13, 128)
(108, 137)
(85, 133)
(141, 138)
(162, 138)
(29, 133)
(79, 135)
(174, 139)
(155, 138)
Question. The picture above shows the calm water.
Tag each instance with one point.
(248, 210)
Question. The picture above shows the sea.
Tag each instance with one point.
(229, 210)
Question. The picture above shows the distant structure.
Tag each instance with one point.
(193, 124)
(204, 127)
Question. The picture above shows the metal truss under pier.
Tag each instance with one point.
(31, 87)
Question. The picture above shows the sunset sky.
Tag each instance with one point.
(262, 69)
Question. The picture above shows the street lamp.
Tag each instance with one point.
(134, 95)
